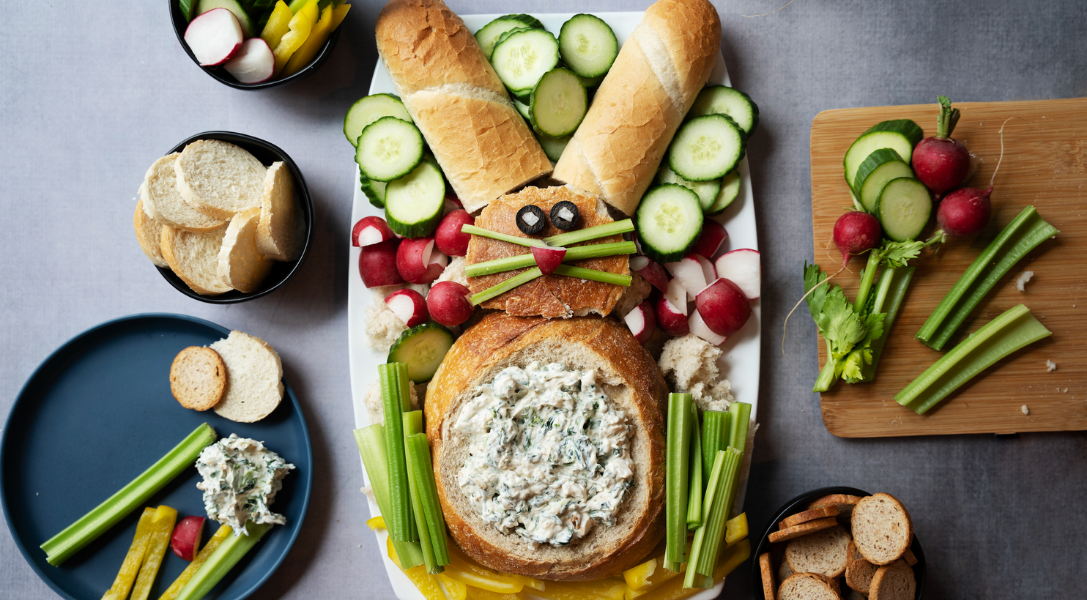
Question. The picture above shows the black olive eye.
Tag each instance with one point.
(564, 215)
(531, 219)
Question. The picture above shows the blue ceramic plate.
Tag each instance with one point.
(95, 415)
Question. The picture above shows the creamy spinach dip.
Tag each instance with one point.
(549, 454)
(241, 478)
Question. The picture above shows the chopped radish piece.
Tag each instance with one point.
(186, 539)
(670, 319)
(449, 238)
(214, 37)
(377, 264)
(409, 306)
(548, 259)
(448, 303)
(723, 306)
(742, 267)
(699, 328)
(708, 272)
(677, 296)
(253, 63)
(642, 322)
(650, 271)
(709, 242)
(689, 273)
(369, 231)
(417, 262)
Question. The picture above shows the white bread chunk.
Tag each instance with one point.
(253, 378)
(219, 178)
(281, 231)
(194, 257)
(382, 326)
(824, 552)
(241, 265)
(163, 202)
(149, 235)
(689, 363)
(454, 272)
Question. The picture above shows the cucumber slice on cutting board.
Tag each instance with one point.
(488, 35)
(707, 190)
(414, 203)
(669, 221)
(369, 109)
(422, 348)
(904, 208)
(724, 100)
(521, 57)
(588, 45)
(389, 148)
(706, 148)
(881, 166)
(730, 190)
(906, 127)
(869, 142)
(558, 103)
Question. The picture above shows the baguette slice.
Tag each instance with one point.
(858, 571)
(241, 265)
(824, 552)
(281, 231)
(895, 581)
(802, 529)
(809, 515)
(844, 502)
(194, 257)
(253, 378)
(163, 202)
(198, 378)
(149, 235)
(219, 178)
(784, 572)
(882, 528)
(768, 586)
(807, 586)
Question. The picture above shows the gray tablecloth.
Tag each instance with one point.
(92, 92)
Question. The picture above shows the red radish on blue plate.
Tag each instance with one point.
(941, 162)
(710, 240)
(699, 327)
(214, 37)
(689, 273)
(651, 271)
(448, 236)
(369, 231)
(409, 306)
(253, 63)
(676, 295)
(548, 259)
(448, 303)
(417, 261)
(724, 307)
(742, 268)
(185, 541)
(642, 322)
(377, 264)
(670, 319)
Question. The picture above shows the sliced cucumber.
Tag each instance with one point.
(369, 109)
(414, 203)
(869, 143)
(203, 6)
(906, 127)
(706, 190)
(588, 45)
(591, 82)
(374, 190)
(707, 148)
(422, 348)
(552, 146)
(522, 57)
(523, 109)
(723, 100)
(730, 190)
(904, 208)
(389, 148)
(669, 221)
(558, 103)
(488, 35)
(880, 167)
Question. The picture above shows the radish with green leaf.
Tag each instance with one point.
(941, 162)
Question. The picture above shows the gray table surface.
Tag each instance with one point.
(92, 92)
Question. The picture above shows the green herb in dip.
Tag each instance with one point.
(241, 478)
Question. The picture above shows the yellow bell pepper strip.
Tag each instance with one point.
(730, 558)
(201, 557)
(427, 584)
(469, 573)
(529, 582)
(392, 552)
(131, 564)
(736, 529)
(278, 24)
(330, 20)
(454, 589)
(229, 552)
(162, 527)
(376, 523)
(300, 26)
(478, 594)
(638, 577)
(601, 589)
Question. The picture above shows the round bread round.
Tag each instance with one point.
(219, 178)
(149, 234)
(632, 381)
(254, 373)
(823, 552)
(807, 586)
(895, 581)
(241, 265)
(198, 378)
(858, 572)
(163, 202)
(882, 528)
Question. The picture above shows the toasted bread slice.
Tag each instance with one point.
(882, 528)
(784, 572)
(807, 586)
(194, 257)
(281, 231)
(844, 502)
(858, 571)
(769, 589)
(908, 556)
(219, 178)
(149, 235)
(163, 202)
(198, 378)
(823, 552)
(550, 295)
(853, 594)
(802, 529)
(241, 265)
(895, 581)
(253, 378)
(809, 515)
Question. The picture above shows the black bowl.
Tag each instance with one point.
(219, 73)
(281, 272)
(798, 504)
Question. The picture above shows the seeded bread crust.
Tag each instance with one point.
(823, 552)
(198, 378)
(802, 529)
(809, 515)
(882, 528)
(895, 581)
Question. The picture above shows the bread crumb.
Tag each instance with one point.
(375, 408)
(1050, 366)
(382, 325)
(690, 365)
(634, 295)
(369, 492)
(1025, 410)
(454, 272)
(1024, 277)
(1064, 391)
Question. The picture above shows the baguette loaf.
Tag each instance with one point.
(633, 383)
(455, 98)
(640, 104)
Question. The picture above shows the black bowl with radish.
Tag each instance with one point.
(281, 272)
(220, 73)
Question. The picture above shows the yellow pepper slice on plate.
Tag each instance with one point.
(736, 529)
(427, 584)
(454, 589)
(300, 26)
(469, 573)
(475, 593)
(278, 25)
(330, 20)
(638, 577)
(376, 523)
(601, 589)
(201, 557)
(529, 582)
(162, 527)
(131, 564)
(730, 558)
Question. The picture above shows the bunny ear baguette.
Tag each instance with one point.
(641, 102)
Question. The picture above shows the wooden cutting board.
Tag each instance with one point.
(1045, 165)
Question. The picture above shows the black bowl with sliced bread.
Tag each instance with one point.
(225, 217)
(839, 543)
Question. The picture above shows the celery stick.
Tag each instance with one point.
(715, 428)
(694, 490)
(890, 291)
(521, 261)
(423, 481)
(593, 275)
(713, 488)
(229, 552)
(399, 519)
(93, 524)
(201, 557)
(371, 443)
(741, 419)
(413, 424)
(1012, 330)
(707, 547)
(494, 235)
(591, 233)
(512, 283)
(867, 277)
(677, 463)
(1024, 233)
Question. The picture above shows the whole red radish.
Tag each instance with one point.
(548, 259)
(964, 213)
(448, 303)
(940, 162)
(670, 319)
(855, 232)
(408, 305)
(417, 261)
(642, 322)
(377, 264)
(186, 539)
(449, 238)
(723, 307)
